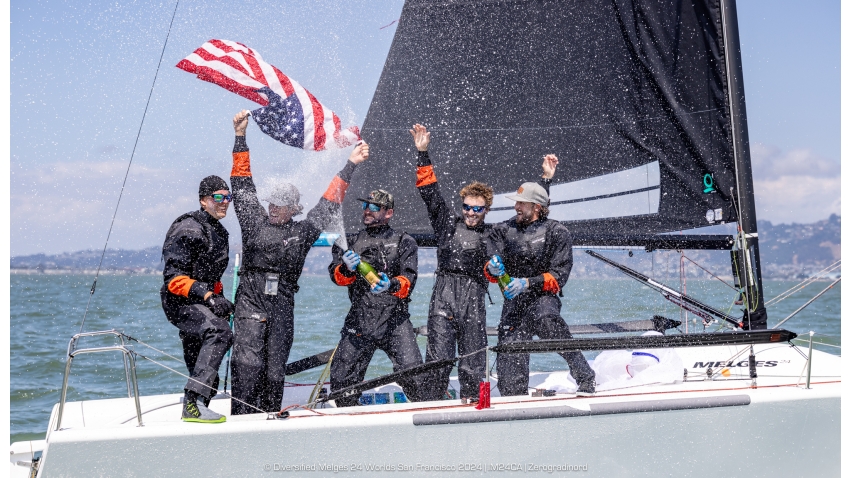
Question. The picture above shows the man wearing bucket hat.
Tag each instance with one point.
(379, 317)
(274, 248)
(536, 252)
(195, 252)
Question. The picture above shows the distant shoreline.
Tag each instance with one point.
(149, 272)
(116, 272)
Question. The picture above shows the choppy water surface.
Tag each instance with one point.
(46, 310)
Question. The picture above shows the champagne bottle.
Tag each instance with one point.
(368, 272)
(504, 279)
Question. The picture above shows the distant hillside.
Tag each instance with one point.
(142, 261)
(787, 251)
(816, 243)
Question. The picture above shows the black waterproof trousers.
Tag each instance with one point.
(523, 317)
(206, 338)
(261, 345)
(457, 318)
(354, 353)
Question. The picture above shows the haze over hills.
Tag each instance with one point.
(787, 251)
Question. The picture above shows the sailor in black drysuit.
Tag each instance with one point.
(274, 250)
(537, 254)
(457, 315)
(196, 254)
(378, 318)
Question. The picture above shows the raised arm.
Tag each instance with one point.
(249, 211)
(426, 182)
(326, 212)
(550, 163)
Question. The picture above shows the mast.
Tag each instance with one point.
(749, 267)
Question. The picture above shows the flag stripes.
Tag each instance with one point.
(240, 69)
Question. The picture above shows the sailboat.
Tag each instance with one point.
(644, 103)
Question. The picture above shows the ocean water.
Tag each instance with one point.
(46, 310)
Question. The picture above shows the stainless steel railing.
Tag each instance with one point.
(129, 368)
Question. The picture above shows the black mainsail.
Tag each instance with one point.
(642, 100)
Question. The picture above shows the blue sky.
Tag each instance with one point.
(81, 74)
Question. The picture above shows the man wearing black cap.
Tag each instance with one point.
(196, 254)
(274, 250)
(536, 252)
(378, 318)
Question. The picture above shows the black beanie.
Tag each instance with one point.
(211, 184)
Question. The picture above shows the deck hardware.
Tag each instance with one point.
(753, 374)
(129, 369)
(809, 363)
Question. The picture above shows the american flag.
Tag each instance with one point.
(291, 114)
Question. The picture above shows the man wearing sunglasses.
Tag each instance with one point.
(457, 315)
(274, 248)
(379, 317)
(196, 255)
(536, 252)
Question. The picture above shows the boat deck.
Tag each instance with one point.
(99, 435)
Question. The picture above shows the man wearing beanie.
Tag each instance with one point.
(196, 254)
(274, 249)
(536, 252)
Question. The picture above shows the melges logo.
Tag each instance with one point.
(730, 364)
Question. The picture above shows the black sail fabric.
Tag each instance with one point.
(630, 94)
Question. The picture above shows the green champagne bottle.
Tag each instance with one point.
(503, 280)
(368, 272)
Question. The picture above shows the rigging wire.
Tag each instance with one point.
(710, 273)
(152, 348)
(197, 381)
(683, 313)
(807, 303)
(127, 173)
(175, 371)
(779, 298)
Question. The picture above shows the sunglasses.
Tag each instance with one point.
(475, 209)
(222, 197)
(371, 207)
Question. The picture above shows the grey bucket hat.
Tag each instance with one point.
(284, 194)
(531, 192)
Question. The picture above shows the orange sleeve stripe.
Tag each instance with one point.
(336, 190)
(341, 279)
(425, 176)
(488, 276)
(404, 287)
(550, 284)
(180, 285)
(241, 164)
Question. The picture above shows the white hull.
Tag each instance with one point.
(719, 427)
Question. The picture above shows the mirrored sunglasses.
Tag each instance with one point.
(371, 207)
(475, 209)
(222, 197)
